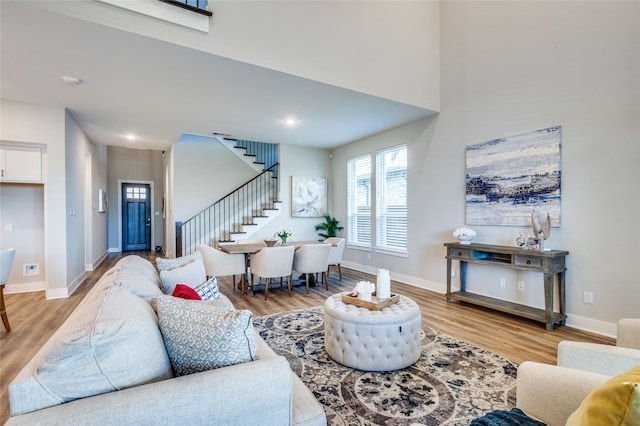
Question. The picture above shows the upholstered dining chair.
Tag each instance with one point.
(312, 259)
(6, 260)
(220, 264)
(272, 262)
(337, 251)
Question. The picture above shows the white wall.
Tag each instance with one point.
(29, 123)
(388, 49)
(56, 240)
(513, 67)
(205, 171)
(134, 166)
(304, 162)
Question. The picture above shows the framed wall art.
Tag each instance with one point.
(308, 196)
(102, 201)
(508, 178)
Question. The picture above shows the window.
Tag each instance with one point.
(391, 198)
(359, 200)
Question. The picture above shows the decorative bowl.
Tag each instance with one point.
(270, 243)
(465, 239)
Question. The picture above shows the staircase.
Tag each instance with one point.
(243, 211)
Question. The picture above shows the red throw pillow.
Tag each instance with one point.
(185, 292)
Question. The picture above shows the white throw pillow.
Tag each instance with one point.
(200, 337)
(169, 264)
(193, 274)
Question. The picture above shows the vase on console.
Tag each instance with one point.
(464, 235)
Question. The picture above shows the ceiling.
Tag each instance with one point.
(158, 91)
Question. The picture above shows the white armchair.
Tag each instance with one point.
(6, 260)
(272, 262)
(551, 393)
(312, 259)
(337, 251)
(220, 264)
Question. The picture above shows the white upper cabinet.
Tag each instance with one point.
(21, 164)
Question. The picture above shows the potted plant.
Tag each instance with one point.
(329, 228)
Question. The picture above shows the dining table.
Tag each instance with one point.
(251, 248)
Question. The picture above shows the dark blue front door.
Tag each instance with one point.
(136, 216)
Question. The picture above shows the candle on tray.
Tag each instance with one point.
(383, 285)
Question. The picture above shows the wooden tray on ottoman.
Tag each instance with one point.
(375, 304)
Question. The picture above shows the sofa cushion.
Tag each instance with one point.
(191, 274)
(201, 337)
(617, 402)
(169, 264)
(209, 289)
(110, 342)
(185, 292)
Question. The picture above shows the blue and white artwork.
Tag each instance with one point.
(508, 178)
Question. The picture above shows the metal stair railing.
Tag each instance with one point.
(264, 153)
(216, 223)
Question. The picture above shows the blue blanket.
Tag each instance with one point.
(506, 418)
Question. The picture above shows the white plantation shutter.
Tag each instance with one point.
(391, 199)
(359, 200)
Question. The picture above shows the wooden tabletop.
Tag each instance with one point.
(250, 248)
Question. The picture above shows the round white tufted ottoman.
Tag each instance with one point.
(384, 340)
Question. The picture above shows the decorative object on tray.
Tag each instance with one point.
(364, 290)
(541, 232)
(283, 234)
(383, 284)
(375, 304)
(464, 235)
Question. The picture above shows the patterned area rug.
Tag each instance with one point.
(452, 383)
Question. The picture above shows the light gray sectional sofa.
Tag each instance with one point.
(108, 364)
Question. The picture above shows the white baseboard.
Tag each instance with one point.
(575, 321)
(57, 293)
(592, 325)
(25, 287)
(115, 250)
(405, 279)
(92, 266)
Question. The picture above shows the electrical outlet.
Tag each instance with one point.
(521, 285)
(503, 282)
(30, 269)
(8, 227)
(588, 297)
(453, 272)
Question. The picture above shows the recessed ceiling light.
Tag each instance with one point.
(71, 80)
(290, 121)
(131, 137)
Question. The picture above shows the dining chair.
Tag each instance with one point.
(312, 259)
(272, 262)
(220, 264)
(6, 260)
(337, 251)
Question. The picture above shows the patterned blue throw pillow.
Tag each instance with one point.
(209, 289)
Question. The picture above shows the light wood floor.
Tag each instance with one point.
(34, 319)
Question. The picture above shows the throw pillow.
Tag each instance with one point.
(200, 337)
(209, 289)
(192, 274)
(617, 402)
(169, 264)
(185, 292)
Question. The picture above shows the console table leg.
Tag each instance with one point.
(548, 300)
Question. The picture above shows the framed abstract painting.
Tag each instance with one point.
(509, 178)
(308, 196)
